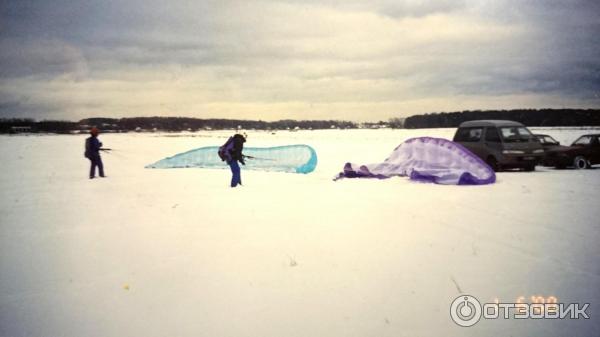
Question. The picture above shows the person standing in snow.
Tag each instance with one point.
(92, 152)
(235, 156)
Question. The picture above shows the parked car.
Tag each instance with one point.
(501, 144)
(583, 153)
(548, 143)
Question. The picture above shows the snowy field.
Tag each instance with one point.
(149, 252)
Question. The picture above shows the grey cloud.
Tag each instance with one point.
(46, 58)
(279, 49)
(388, 8)
(10, 108)
(21, 106)
(400, 9)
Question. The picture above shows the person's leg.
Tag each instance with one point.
(100, 167)
(235, 172)
(230, 163)
(92, 167)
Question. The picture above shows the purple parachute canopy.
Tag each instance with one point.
(428, 159)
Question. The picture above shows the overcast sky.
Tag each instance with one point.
(301, 59)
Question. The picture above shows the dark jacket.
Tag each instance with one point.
(238, 147)
(92, 147)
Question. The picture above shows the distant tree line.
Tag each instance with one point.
(8, 125)
(164, 124)
(529, 117)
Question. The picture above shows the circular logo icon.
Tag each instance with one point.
(465, 310)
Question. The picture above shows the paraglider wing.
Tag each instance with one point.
(288, 158)
(427, 159)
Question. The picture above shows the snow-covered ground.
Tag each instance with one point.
(178, 253)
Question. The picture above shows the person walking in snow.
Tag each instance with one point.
(92, 152)
(234, 155)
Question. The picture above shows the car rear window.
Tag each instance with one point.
(584, 140)
(546, 140)
(468, 134)
(549, 140)
(513, 134)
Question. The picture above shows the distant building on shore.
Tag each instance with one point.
(20, 129)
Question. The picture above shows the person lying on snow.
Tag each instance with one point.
(92, 152)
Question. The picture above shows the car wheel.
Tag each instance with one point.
(530, 167)
(493, 163)
(581, 163)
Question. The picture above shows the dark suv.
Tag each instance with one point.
(501, 144)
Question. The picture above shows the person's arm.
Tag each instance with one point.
(237, 151)
(96, 145)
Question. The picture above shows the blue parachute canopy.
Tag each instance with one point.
(427, 159)
(288, 158)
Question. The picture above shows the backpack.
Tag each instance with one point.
(87, 148)
(225, 150)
